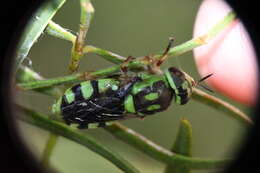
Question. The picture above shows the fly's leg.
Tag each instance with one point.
(165, 53)
(124, 65)
(123, 91)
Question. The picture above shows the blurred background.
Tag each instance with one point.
(127, 28)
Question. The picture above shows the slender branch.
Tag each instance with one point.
(27, 75)
(57, 31)
(48, 149)
(221, 105)
(121, 132)
(155, 151)
(73, 78)
(86, 15)
(198, 95)
(203, 39)
(107, 55)
(61, 129)
(173, 52)
(35, 27)
(182, 145)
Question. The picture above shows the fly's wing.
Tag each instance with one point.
(107, 106)
(98, 109)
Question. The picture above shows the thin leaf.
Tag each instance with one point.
(159, 153)
(35, 27)
(75, 135)
(182, 146)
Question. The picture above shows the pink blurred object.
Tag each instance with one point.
(229, 56)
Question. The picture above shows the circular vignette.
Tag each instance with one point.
(16, 156)
(229, 56)
(15, 151)
(248, 154)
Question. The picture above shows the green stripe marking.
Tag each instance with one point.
(104, 84)
(153, 107)
(178, 99)
(70, 96)
(146, 83)
(93, 125)
(109, 123)
(151, 96)
(129, 104)
(86, 89)
(171, 82)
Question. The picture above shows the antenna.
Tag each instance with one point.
(204, 78)
(203, 86)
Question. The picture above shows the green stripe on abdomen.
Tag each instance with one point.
(151, 96)
(70, 96)
(129, 104)
(86, 89)
(104, 84)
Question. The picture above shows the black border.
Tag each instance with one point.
(14, 155)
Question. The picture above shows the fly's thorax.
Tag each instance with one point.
(149, 96)
(181, 83)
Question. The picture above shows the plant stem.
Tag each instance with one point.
(57, 31)
(35, 27)
(221, 105)
(61, 129)
(182, 145)
(73, 78)
(86, 15)
(173, 52)
(155, 151)
(48, 150)
(107, 55)
(198, 95)
(25, 74)
(203, 39)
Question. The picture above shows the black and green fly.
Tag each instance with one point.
(97, 103)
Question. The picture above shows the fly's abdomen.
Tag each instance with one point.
(83, 102)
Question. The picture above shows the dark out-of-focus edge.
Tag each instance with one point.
(247, 157)
(15, 156)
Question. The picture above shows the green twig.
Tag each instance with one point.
(57, 31)
(173, 52)
(221, 105)
(107, 55)
(27, 75)
(155, 151)
(48, 150)
(197, 94)
(73, 78)
(35, 28)
(182, 145)
(86, 15)
(203, 39)
(61, 129)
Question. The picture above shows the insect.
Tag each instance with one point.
(97, 103)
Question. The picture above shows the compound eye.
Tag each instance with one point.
(176, 72)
